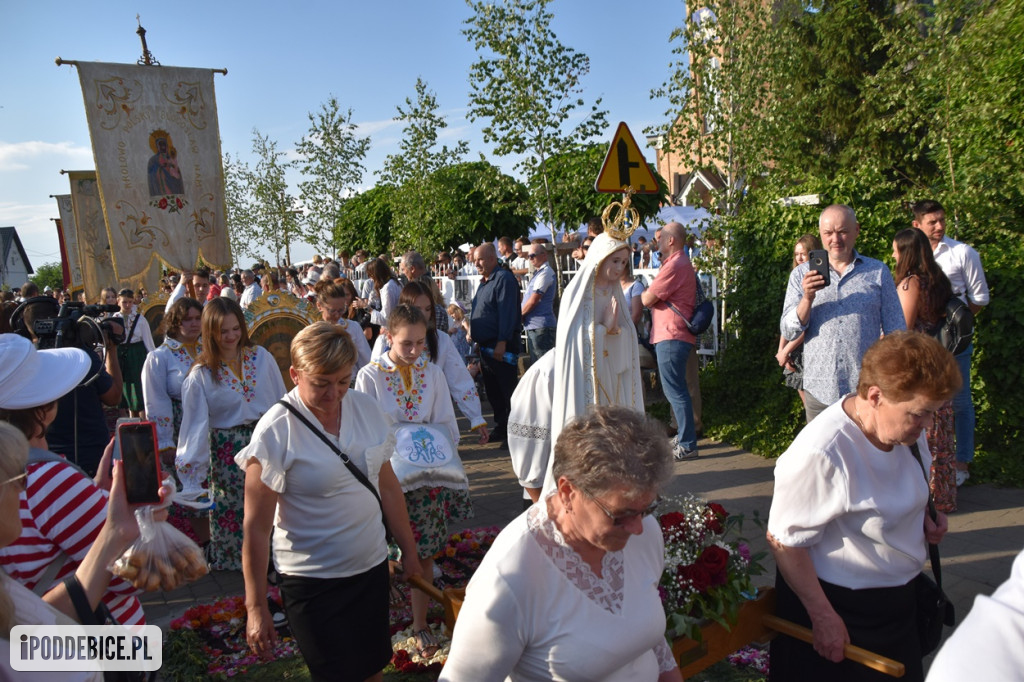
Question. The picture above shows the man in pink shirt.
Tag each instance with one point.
(672, 297)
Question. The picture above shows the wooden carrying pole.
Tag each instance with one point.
(854, 653)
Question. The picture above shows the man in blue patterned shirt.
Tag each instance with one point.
(839, 321)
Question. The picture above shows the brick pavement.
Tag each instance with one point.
(985, 535)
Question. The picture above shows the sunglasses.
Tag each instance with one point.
(21, 480)
(622, 517)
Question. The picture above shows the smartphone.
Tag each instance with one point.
(818, 258)
(140, 459)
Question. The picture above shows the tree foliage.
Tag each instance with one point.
(365, 221)
(473, 202)
(410, 170)
(528, 87)
(260, 212)
(332, 163)
(47, 275)
(874, 105)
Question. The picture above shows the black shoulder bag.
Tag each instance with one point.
(934, 609)
(360, 476)
(100, 616)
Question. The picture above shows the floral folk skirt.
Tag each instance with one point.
(430, 510)
(178, 516)
(227, 482)
(942, 445)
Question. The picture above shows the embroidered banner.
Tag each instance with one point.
(67, 234)
(93, 246)
(156, 141)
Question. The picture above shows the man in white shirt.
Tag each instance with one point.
(252, 289)
(962, 266)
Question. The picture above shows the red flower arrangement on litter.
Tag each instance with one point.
(706, 577)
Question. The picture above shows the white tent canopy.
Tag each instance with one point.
(693, 218)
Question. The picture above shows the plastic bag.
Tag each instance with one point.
(163, 558)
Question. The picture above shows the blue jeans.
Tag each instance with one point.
(672, 358)
(539, 342)
(963, 410)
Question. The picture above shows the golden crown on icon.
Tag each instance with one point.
(626, 219)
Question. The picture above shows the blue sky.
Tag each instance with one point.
(284, 59)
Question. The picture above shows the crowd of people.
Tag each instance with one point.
(349, 480)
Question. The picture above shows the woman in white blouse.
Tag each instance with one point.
(333, 300)
(441, 351)
(231, 386)
(387, 289)
(327, 512)
(131, 353)
(569, 591)
(162, 376)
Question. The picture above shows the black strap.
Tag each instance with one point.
(128, 338)
(360, 476)
(698, 299)
(933, 549)
(86, 616)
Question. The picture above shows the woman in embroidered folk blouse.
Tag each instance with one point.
(231, 386)
(332, 300)
(412, 390)
(567, 592)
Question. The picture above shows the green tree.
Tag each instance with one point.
(365, 221)
(473, 202)
(410, 169)
(527, 85)
(872, 105)
(48, 275)
(260, 212)
(332, 163)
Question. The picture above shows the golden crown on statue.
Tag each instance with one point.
(626, 220)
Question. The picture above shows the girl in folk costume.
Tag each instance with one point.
(162, 377)
(332, 300)
(596, 356)
(131, 354)
(228, 389)
(441, 351)
(412, 391)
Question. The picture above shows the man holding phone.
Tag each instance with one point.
(841, 318)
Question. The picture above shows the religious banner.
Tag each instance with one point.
(67, 235)
(156, 141)
(91, 233)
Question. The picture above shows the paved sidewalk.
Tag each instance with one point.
(985, 535)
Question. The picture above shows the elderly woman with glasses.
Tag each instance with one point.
(570, 588)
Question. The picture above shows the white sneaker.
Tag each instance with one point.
(961, 477)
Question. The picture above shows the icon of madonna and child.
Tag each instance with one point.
(162, 170)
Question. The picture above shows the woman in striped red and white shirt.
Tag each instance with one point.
(62, 510)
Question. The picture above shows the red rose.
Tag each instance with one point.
(716, 561)
(696, 575)
(178, 201)
(672, 522)
(163, 203)
(715, 515)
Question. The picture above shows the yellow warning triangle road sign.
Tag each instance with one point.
(624, 166)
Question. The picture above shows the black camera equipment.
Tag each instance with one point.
(62, 325)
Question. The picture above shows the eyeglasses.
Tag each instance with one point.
(586, 247)
(334, 311)
(21, 480)
(622, 517)
(531, 256)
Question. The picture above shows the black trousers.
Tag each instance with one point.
(500, 380)
(882, 620)
(340, 624)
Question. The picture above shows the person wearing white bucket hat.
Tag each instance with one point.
(64, 514)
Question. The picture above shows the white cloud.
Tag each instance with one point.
(16, 156)
(373, 127)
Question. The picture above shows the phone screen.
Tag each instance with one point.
(137, 442)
